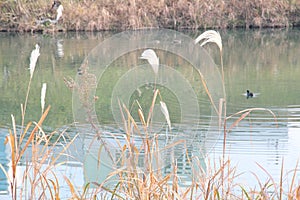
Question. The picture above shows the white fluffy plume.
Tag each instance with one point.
(210, 36)
(33, 59)
(164, 110)
(152, 58)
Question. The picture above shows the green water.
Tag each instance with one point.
(266, 62)
(51, 69)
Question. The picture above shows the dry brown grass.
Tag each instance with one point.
(91, 15)
(37, 149)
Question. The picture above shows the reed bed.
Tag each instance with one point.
(216, 180)
(91, 15)
(35, 150)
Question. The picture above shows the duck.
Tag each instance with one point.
(249, 94)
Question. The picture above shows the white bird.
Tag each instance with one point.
(59, 9)
(152, 58)
(59, 12)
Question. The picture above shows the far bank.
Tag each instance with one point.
(89, 15)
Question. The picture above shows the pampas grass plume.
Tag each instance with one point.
(152, 58)
(164, 110)
(210, 36)
(33, 59)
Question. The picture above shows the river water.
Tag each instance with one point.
(266, 62)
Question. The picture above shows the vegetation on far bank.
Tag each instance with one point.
(89, 15)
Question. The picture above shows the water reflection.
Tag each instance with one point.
(98, 161)
(180, 88)
(60, 48)
(294, 135)
(265, 62)
(6, 75)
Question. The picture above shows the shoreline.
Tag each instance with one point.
(106, 15)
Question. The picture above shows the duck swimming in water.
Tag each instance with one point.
(249, 94)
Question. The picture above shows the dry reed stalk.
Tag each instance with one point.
(133, 182)
(212, 36)
(290, 192)
(39, 167)
(43, 161)
(33, 59)
(297, 193)
(150, 114)
(246, 112)
(18, 149)
(281, 181)
(273, 184)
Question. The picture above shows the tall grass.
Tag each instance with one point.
(91, 15)
(37, 149)
(217, 181)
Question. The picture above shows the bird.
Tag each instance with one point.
(55, 5)
(249, 94)
(59, 8)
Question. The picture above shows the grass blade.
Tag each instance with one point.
(31, 136)
(245, 192)
(72, 189)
